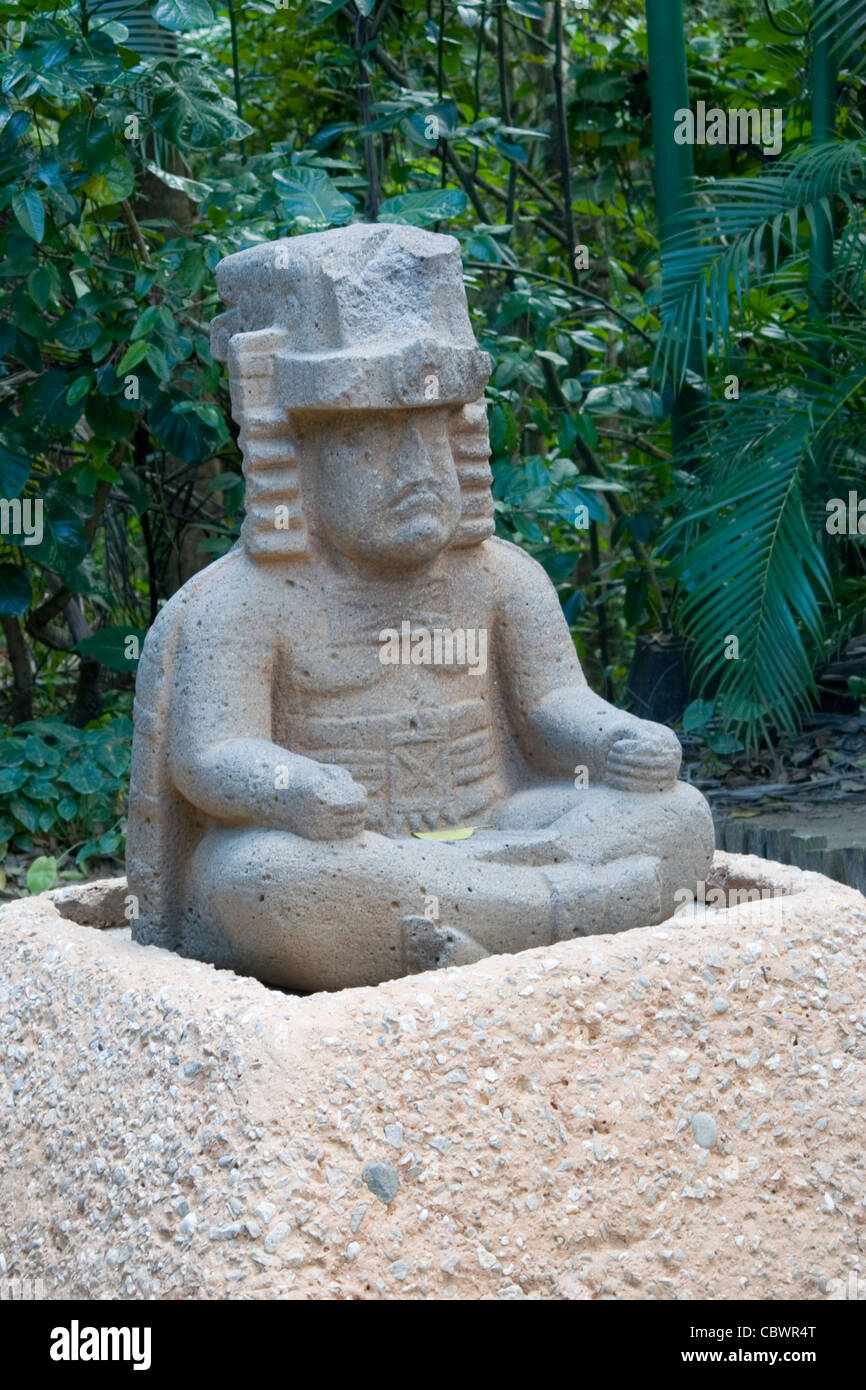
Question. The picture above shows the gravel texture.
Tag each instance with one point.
(579, 1122)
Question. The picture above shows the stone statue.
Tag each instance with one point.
(369, 665)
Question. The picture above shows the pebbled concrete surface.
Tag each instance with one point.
(672, 1112)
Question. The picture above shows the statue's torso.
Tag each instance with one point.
(419, 737)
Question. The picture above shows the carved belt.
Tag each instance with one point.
(422, 770)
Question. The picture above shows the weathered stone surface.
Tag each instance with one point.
(174, 1131)
(369, 664)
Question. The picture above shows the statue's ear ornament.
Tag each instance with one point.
(274, 526)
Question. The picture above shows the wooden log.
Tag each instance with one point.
(779, 844)
(854, 860)
(756, 839)
(735, 837)
(834, 865)
(808, 852)
(721, 828)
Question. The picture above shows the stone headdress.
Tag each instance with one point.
(364, 317)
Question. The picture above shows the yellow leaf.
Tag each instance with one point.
(461, 832)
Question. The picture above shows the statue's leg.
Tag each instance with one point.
(328, 915)
(599, 825)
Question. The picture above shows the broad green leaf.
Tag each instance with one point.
(135, 353)
(42, 874)
(14, 473)
(115, 647)
(419, 209)
(29, 213)
(224, 482)
(183, 432)
(532, 9)
(45, 407)
(311, 199)
(11, 778)
(25, 812)
(193, 188)
(189, 109)
(12, 752)
(51, 728)
(180, 15)
(79, 389)
(209, 414)
(39, 285)
(324, 9)
(83, 777)
(113, 183)
(114, 756)
(147, 321)
(39, 753)
(430, 124)
(725, 744)
(698, 713)
(15, 592)
(86, 140)
(77, 331)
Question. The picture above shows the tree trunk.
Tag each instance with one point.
(22, 670)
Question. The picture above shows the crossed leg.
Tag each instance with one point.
(330, 915)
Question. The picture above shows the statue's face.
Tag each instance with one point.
(386, 485)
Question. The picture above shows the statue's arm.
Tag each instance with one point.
(222, 756)
(559, 722)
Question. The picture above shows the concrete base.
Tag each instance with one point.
(676, 1111)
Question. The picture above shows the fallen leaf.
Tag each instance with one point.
(461, 832)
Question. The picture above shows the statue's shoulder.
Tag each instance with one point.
(218, 591)
(509, 565)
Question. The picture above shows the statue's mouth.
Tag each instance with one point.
(414, 499)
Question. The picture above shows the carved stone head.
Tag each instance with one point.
(357, 386)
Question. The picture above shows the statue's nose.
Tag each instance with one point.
(415, 458)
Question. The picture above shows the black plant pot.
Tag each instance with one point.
(658, 678)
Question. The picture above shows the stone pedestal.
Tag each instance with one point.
(547, 1125)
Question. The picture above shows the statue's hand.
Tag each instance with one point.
(329, 804)
(643, 757)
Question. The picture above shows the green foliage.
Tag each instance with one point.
(42, 874)
(754, 554)
(64, 786)
(136, 152)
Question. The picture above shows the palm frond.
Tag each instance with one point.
(844, 22)
(750, 563)
(736, 236)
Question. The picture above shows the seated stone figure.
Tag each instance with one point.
(369, 664)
